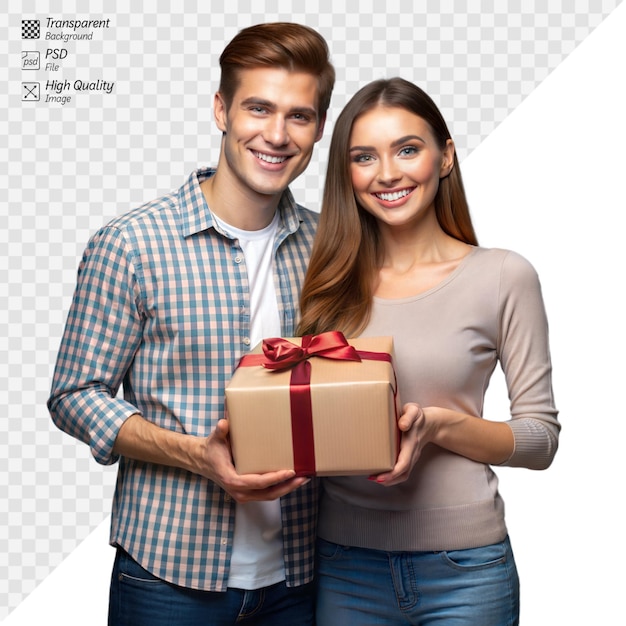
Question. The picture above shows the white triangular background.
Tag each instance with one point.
(547, 183)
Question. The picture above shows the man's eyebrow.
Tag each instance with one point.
(258, 102)
(311, 112)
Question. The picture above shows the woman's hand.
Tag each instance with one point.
(415, 434)
(477, 439)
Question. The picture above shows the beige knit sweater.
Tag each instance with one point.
(447, 343)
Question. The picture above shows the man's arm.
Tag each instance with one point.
(103, 333)
(208, 456)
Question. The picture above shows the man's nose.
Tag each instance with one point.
(276, 131)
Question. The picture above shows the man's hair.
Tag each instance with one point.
(293, 47)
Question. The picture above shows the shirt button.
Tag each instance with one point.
(224, 542)
(238, 259)
(246, 341)
(227, 498)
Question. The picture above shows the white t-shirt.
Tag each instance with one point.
(257, 556)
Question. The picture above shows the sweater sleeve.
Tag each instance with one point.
(524, 353)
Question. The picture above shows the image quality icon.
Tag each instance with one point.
(30, 92)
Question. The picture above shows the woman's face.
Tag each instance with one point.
(396, 165)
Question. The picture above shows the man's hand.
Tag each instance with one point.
(217, 460)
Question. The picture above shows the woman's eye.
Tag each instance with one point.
(408, 151)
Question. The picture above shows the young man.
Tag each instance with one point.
(169, 297)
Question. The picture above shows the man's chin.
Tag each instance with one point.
(273, 188)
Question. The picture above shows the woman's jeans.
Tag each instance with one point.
(140, 599)
(474, 587)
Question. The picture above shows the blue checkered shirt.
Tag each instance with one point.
(162, 308)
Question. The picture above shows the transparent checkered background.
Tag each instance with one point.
(64, 170)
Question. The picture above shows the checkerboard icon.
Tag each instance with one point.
(30, 29)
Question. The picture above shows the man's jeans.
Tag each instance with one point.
(140, 599)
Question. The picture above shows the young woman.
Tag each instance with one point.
(396, 254)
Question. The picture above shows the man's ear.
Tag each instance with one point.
(320, 128)
(220, 112)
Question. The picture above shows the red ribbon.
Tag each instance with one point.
(280, 354)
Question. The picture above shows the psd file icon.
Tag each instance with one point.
(30, 29)
(31, 60)
(30, 92)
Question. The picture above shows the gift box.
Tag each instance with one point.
(320, 404)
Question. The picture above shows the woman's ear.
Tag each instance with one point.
(447, 159)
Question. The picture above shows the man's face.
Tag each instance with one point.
(270, 129)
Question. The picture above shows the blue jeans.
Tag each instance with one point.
(140, 599)
(474, 587)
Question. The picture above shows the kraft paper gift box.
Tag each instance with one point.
(332, 410)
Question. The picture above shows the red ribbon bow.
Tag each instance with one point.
(281, 354)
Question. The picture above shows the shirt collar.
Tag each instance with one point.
(196, 216)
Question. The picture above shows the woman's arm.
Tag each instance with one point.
(475, 438)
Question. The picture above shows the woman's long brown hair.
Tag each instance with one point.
(338, 288)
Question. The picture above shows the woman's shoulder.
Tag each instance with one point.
(511, 270)
(509, 259)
